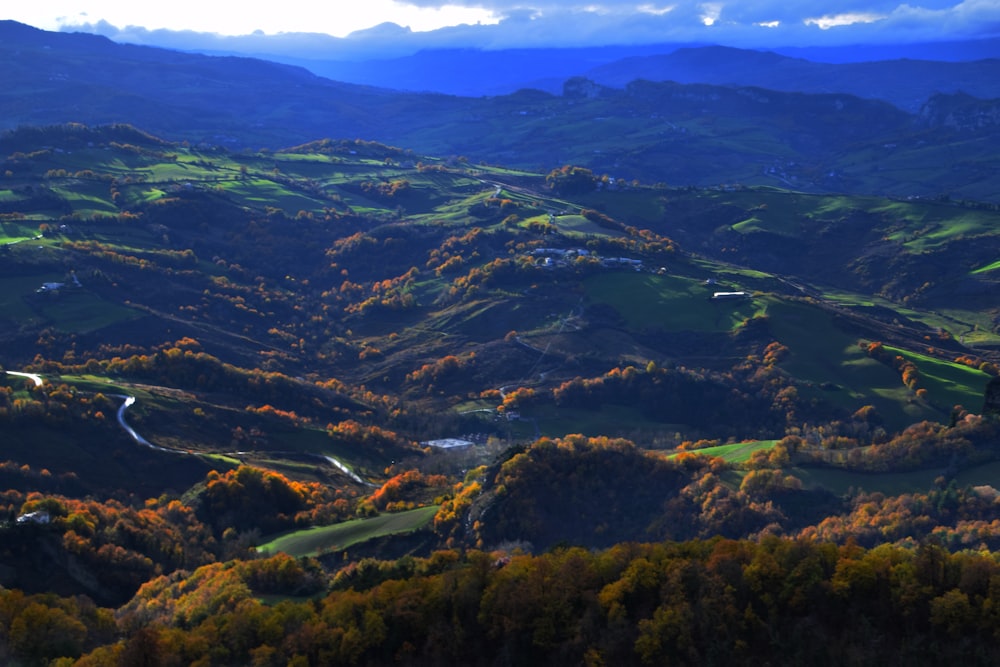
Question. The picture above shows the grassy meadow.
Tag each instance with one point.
(320, 539)
(737, 452)
(671, 303)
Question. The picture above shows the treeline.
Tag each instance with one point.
(692, 603)
(750, 398)
(600, 491)
(104, 549)
(76, 136)
(108, 548)
(251, 499)
(968, 440)
(56, 404)
(182, 364)
(355, 147)
(954, 517)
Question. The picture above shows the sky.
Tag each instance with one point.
(334, 17)
(412, 24)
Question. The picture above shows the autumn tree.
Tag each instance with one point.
(569, 180)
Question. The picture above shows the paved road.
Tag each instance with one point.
(127, 402)
(344, 469)
(37, 379)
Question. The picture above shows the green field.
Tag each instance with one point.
(672, 303)
(609, 419)
(79, 311)
(313, 541)
(95, 383)
(15, 295)
(841, 481)
(832, 367)
(577, 224)
(738, 452)
(988, 268)
(15, 232)
(947, 383)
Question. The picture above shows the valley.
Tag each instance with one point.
(616, 376)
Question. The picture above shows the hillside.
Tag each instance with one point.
(906, 83)
(369, 264)
(333, 311)
(678, 134)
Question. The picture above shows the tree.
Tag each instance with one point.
(571, 180)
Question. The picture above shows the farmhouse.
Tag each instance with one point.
(40, 517)
(560, 252)
(448, 443)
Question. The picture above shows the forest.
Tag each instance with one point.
(716, 601)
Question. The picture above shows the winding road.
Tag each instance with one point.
(37, 379)
(126, 402)
(129, 401)
(344, 469)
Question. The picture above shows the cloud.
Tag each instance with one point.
(692, 16)
(748, 23)
(570, 23)
(839, 20)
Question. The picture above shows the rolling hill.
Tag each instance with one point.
(679, 134)
(436, 281)
(906, 83)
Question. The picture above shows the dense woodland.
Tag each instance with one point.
(704, 602)
(914, 570)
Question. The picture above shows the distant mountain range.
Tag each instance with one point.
(393, 57)
(719, 115)
(906, 82)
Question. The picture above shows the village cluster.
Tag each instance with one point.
(551, 258)
(561, 257)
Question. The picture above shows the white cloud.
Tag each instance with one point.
(654, 10)
(226, 17)
(838, 20)
(527, 23)
(739, 21)
(711, 12)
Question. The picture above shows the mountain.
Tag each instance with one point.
(474, 72)
(906, 83)
(683, 134)
(961, 112)
(55, 78)
(967, 50)
(394, 57)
